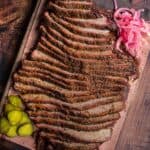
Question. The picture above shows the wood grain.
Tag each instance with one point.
(14, 16)
(135, 134)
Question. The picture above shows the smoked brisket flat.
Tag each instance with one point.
(74, 83)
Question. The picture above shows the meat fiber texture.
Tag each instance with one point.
(75, 83)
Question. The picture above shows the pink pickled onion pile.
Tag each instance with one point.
(131, 29)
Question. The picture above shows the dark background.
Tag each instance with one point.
(14, 18)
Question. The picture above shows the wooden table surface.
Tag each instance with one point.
(135, 134)
(14, 17)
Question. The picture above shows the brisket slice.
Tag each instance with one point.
(64, 58)
(76, 85)
(53, 51)
(76, 53)
(71, 108)
(45, 83)
(81, 55)
(30, 89)
(48, 86)
(55, 75)
(45, 77)
(33, 65)
(89, 65)
(102, 26)
(65, 97)
(24, 88)
(54, 69)
(74, 4)
(80, 136)
(79, 38)
(103, 56)
(72, 85)
(60, 144)
(73, 44)
(69, 60)
(45, 99)
(71, 125)
(43, 43)
(75, 13)
(51, 88)
(65, 80)
(93, 112)
(99, 23)
(40, 56)
(100, 50)
(77, 119)
(56, 23)
(95, 33)
(79, 76)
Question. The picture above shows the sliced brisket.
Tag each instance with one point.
(71, 125)
(95, 33)
(92, 112)
(75, 13)
(77, 119)
(74, 83)
(80, 136)
(59, 143)
(74, 4)
(45, 99)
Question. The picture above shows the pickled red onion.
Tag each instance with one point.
(131, 29)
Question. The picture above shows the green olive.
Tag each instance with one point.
(14, 117)
(25, 130)
(12, 132)
(15, 100)
(4, 125)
